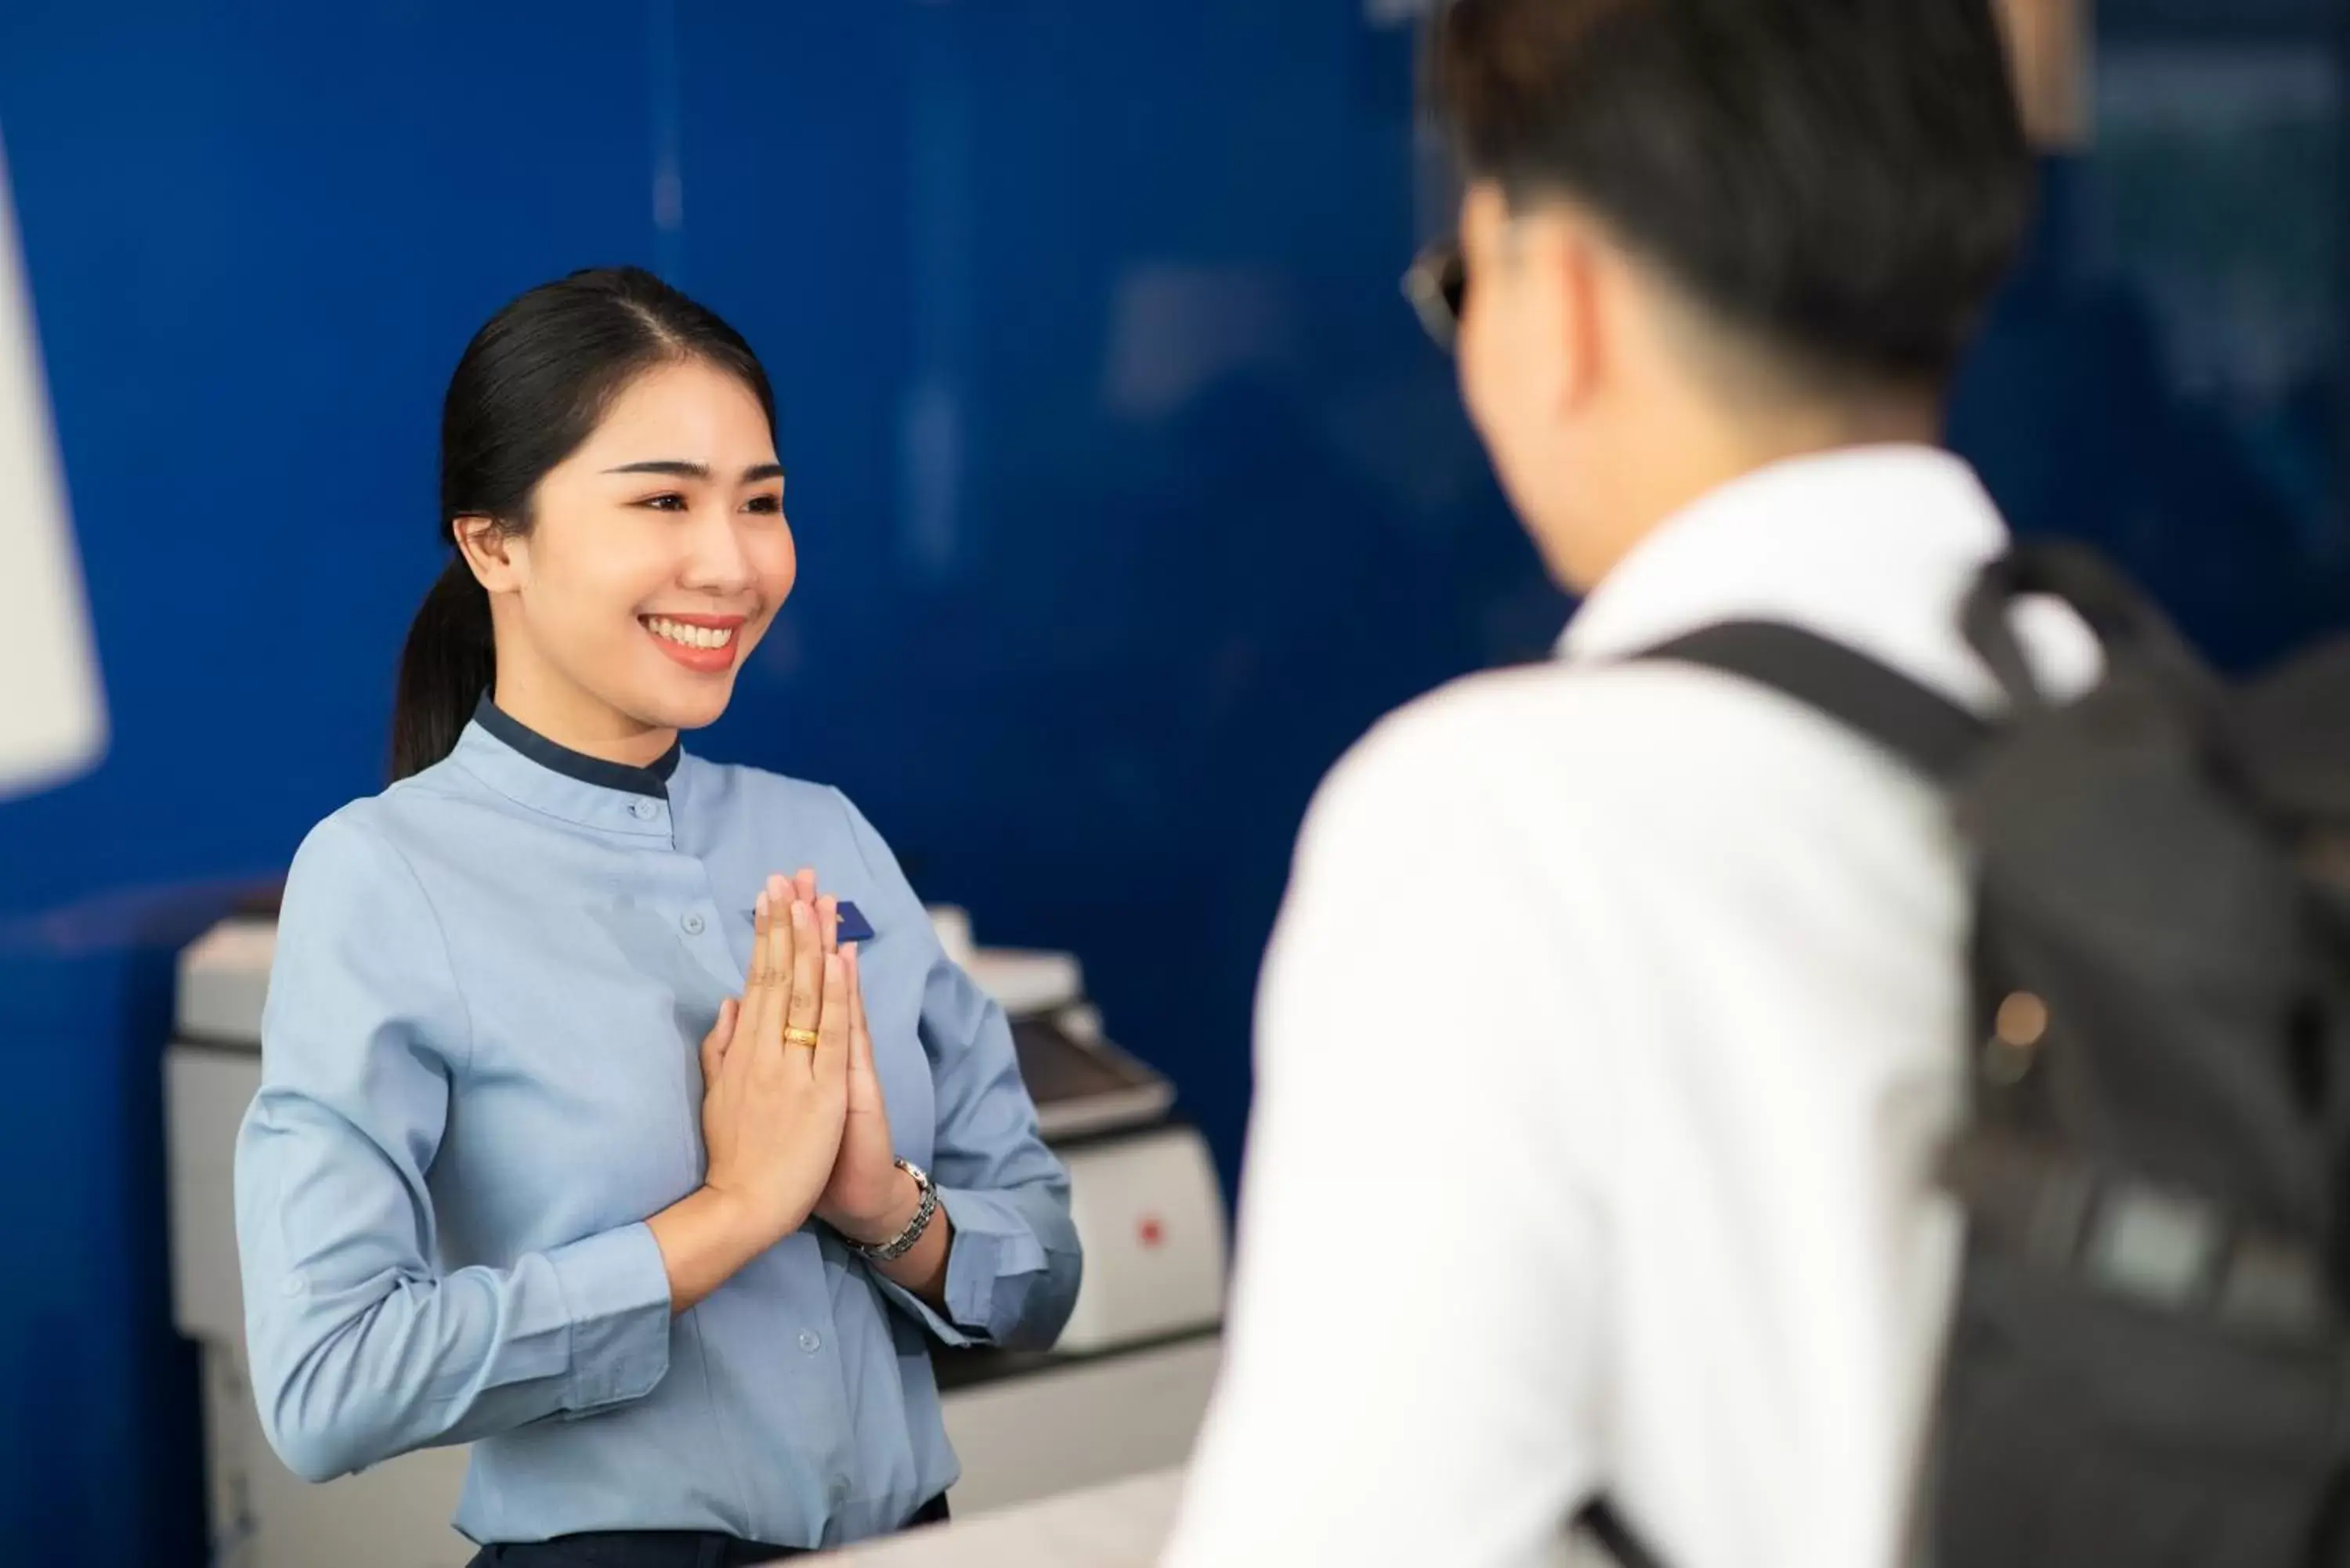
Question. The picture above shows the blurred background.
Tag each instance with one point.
(1126, 490)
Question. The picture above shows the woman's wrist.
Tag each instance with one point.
(875, 1229)
(705, 1239)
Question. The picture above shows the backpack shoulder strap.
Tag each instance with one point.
(1922, 727)
(1603, 1524)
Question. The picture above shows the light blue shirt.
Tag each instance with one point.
(480, 1077)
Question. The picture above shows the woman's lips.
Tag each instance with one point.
(705, 644)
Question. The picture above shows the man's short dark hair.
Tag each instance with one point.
(1844, 181)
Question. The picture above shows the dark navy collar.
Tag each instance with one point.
(650, 781)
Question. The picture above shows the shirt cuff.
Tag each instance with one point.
(616, 1292)
(991, 1242)
(924, 1312)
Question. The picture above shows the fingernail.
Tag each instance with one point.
(759, 910)
(801, 913)
(851, 951)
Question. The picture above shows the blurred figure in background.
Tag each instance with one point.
(2089, 409)
(1607, 1034)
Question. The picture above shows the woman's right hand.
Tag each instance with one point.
(772, 1110)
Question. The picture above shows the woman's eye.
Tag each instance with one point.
(770, 505)
(667, 502)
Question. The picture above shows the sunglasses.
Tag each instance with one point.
(1437, 285)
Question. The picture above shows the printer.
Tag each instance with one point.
(1121, 1393)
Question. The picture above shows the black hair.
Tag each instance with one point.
(530, 388)
(1844, 182)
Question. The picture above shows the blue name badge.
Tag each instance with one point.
(854, 925)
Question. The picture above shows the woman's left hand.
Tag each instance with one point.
(869, 1198)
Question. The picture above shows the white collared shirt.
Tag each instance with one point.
(1612, 1021)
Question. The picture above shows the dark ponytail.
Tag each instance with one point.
(529, 391)
(449, 662)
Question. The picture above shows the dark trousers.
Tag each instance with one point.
(658, 1548)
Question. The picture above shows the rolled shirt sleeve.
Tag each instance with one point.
(359, 1349)
(1014, 1265)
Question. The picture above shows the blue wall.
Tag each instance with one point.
(2166, 373)
(1127, 495)
(1127, 491)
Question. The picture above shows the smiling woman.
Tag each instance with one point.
(573, 1104)
(607, 462)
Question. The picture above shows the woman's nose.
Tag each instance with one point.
(715, 561)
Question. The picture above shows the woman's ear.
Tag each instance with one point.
(491, 551)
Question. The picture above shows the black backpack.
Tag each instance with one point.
(2145, 1365)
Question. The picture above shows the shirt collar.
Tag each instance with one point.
(526, 766)
(1874, 547)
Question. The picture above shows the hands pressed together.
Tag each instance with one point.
(791, 1112)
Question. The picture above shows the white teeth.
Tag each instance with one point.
(689, 635)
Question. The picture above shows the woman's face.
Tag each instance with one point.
(657, 558)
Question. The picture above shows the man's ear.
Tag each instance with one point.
(1572, 265)
(490, 551)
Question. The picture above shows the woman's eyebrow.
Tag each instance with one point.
(679, 470)
(670, 466)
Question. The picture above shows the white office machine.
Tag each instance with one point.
(1122, 1394)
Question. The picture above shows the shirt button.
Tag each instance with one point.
(810, 1342)
(692, 924)
(644, 810)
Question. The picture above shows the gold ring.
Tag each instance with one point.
(807, 1037)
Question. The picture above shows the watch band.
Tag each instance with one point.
(898, 1246)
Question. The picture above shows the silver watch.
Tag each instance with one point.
(898, 1245)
